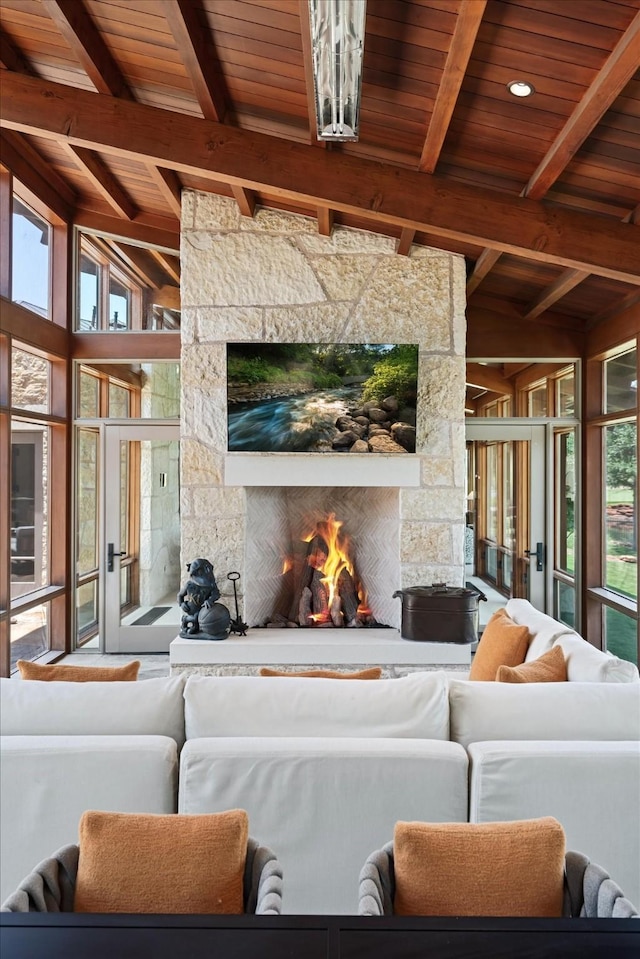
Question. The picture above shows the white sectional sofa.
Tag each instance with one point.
(325, 767)
(67, 747)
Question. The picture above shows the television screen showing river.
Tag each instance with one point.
(321, 397)
(290, 424)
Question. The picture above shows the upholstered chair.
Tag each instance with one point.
(585, 890)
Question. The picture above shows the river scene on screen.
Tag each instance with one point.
(306, 397)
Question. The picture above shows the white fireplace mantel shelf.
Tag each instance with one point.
(357, 648)
(321, 469)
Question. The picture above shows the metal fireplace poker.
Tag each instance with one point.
(236, 625)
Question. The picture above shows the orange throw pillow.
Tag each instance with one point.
(549, 668)
(503, 643)
(79, 674)
(479, 869)
(375, 672)
(146, 863)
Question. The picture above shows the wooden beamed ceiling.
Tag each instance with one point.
(110, 108)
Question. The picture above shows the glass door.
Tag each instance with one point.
(512, 546)
(141, 542)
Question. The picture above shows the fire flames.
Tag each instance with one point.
(329, 593)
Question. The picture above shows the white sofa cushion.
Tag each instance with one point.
(544, 629)
(47, 783)
(592, 788)
(415, 706)
(151, 708)
(323, 805)
(572, 711)
(586, 664)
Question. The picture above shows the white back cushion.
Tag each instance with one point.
(323, 805)
(544, 629)
(152, 707)
(569, 711)
(586, 664)
(415, 706)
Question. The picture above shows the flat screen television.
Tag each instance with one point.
(322, 397)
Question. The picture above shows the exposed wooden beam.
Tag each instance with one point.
(41, 182)
(633, 216)
(325, 221)
(467, 25)
(484, 264)
(382, 194)
(94, 167)
(618, 70)
(246, 200)
(45, 170)
(405, 241)
(169, 264)
(147, 229)
(198, 55)
(492, 334)
(78, 29)
(567, 280)
(169, 186)
(11, 58)
(168, 297)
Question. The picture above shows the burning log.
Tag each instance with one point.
(304, 607)
(348, 595)
(319, 598)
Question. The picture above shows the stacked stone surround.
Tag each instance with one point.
(272, 278)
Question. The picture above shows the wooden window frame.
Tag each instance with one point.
(596, 597)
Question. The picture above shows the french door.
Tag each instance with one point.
(512, 520)
(140, 545)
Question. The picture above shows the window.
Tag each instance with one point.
(612, 438)
(30, 265)
(565, 474)
(621, 476)
(109, 298)
(621, 382)
(538, 401)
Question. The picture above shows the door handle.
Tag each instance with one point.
(110, 554)
(538, 552)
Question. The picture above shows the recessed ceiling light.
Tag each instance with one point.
(520, 88)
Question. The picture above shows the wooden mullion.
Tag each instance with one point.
(592, 464)
(126, 346)
(5, 504)
(6, 206)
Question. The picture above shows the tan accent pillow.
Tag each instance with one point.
(79, 674)
(148, 863)
(549, 668)
(479, 869)
(375, 672)
(503, 643)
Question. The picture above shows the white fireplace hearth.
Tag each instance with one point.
(344, 650)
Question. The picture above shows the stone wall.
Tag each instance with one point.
(273, 278)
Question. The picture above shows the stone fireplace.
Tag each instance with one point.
(272, 278)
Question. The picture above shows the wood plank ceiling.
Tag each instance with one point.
(541, 195)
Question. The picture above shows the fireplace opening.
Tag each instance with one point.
(320, 583)
(318, 557)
